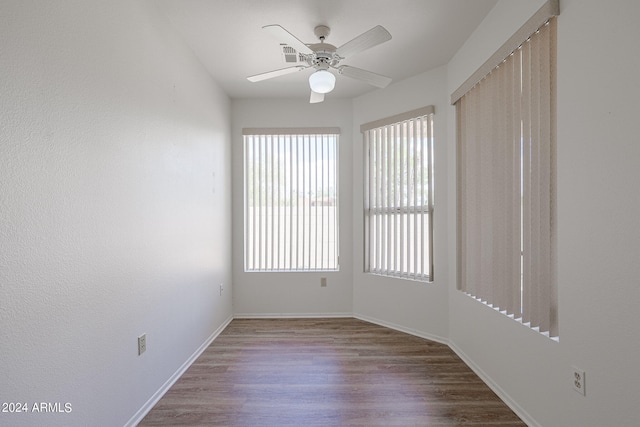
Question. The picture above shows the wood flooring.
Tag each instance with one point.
(327, 372)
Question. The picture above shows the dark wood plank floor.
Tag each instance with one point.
(327, 372)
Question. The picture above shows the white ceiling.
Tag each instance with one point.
(228, 38)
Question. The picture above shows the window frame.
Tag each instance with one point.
(267, 237)
(397, 265)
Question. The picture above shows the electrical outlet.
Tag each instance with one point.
(142, 344)
(578, 380)
(221, 288)
(323, 282)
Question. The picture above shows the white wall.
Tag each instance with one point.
(416, 307)
(114, 207)
(598, 227)
(115, 214)
(293, 294)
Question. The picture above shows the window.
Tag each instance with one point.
(291, 199)
(506, 184)
(398, 205)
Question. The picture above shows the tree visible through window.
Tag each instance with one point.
(291, 199)
(398, 195)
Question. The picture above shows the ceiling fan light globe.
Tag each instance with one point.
(322, 81)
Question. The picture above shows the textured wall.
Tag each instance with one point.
(416, 307)
(291, 294)
(114, 208)
(598, 227)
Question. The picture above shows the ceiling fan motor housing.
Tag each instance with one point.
(322, 56)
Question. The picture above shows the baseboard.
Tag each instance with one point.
(520, 412)
(289, 315)
(410, 331)
(144, 410)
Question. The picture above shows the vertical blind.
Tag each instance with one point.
(506, 185)
(398, 195)
(291, 199)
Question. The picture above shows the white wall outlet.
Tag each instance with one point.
(142, 344)
(221, 288)
(323, 282)
(578, 379)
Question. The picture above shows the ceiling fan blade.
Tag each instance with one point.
(286, 37)
(374, 79)
(275, 73)
(364, 41)
(316, 97)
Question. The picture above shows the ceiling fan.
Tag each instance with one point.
(324, 56)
